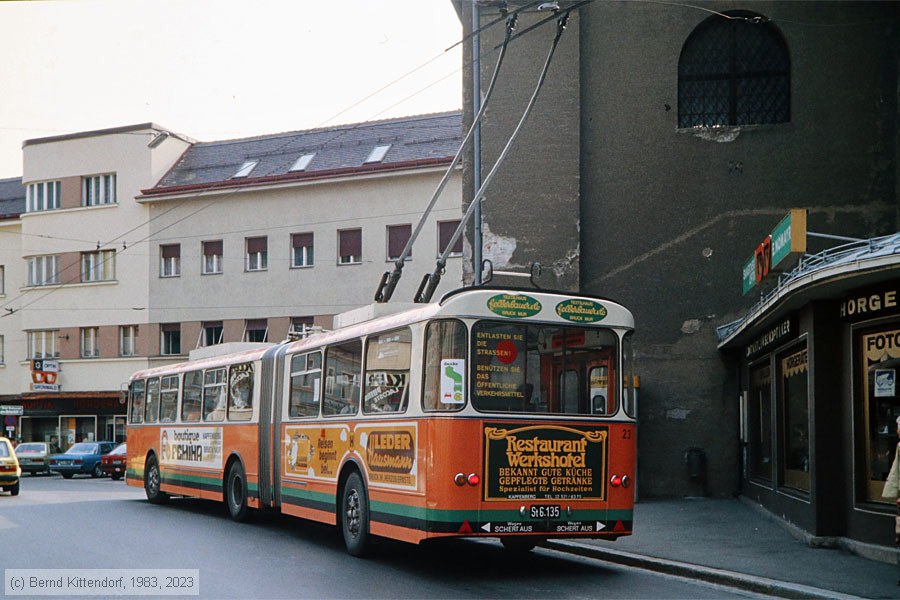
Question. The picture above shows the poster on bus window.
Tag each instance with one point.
(191, 447)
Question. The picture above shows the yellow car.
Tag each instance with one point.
(9, 468)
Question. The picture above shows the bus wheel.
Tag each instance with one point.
(518, 545)
(354, 516)
(152, 481)
(236, 492)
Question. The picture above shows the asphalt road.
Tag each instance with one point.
(86, 523)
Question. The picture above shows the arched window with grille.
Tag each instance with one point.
(734, 70)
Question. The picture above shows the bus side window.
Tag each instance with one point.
(306, 376)
(192, 393)
(387, 372)
(214, 395)
(344, 365)
(137, 401)
(240, 392)
(168, 399)
(151, 408)
(445, 366)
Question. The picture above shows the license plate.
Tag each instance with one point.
(550, 511)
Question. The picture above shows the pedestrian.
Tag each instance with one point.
(892, 490)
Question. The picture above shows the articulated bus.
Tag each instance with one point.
(493, 413)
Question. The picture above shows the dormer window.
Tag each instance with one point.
(378, 153)
(245, 169)
(303, 162)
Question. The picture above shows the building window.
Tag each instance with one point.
(794, 384)
(211, 333)
(302, 250)
(212, 257)
(128, 340)
(256, 330)
(43, 270)
(759, 422)
(378, 153)
(43, 344)
(397, 238)
(2, 351)
(300, 326)
(446, 229)
(90, 342)
(98, 190)
(170, 339)
(349, 246)
(734, 71)
(170, 260)
(245, 169)
(2, 280)
(302, 163)
(98, 266)
(42, 196)
(257, 254)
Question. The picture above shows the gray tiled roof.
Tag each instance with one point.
(12, 197)
(346, 147)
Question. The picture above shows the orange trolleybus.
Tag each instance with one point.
(492, 413)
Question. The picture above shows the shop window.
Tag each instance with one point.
(759, 422)
(794, 387)
(879, 361)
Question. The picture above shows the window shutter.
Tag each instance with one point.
(301, 240)
(445, 233)
(212, 248)
(398, 236)
(351, 242)
(170, 251)
(256, 245)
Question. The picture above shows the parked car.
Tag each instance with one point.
(83, 457)
(9, 468)
(113, 464)
(34, 457)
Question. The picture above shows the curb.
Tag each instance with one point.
(742, 581)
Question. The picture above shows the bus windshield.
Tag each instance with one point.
(521, 367)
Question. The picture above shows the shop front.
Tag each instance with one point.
(64, 419)
(817, 362)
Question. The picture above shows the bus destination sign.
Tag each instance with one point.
(545, 462)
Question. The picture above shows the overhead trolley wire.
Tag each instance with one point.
(431, 280)
(390, 279)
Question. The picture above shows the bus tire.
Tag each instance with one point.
(153, 482)
(354, 515)
(236, 493)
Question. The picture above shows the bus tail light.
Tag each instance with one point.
(462, 479)
(619, 481)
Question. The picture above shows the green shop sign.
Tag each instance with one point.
(581, 311)
(516, 306)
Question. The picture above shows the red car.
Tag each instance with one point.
(113, 464)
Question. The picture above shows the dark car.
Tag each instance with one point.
(83, 457)
(34, 457)
(113, 464)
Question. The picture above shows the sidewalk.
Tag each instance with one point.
(734, 543)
